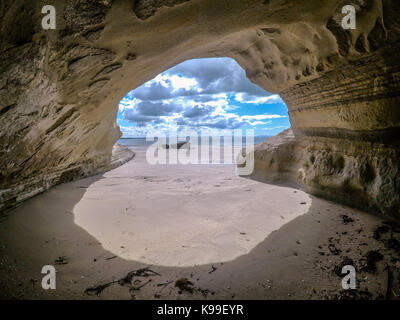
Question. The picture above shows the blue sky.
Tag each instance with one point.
(202, 94)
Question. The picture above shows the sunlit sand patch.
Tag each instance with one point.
(184, 215)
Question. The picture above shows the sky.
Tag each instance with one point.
(203, 95)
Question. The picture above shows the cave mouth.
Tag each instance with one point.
(207, 95)
(209, 103)
(189, 214)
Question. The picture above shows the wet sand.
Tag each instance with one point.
(229, 236)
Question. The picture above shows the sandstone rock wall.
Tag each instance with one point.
(59, 89)
(358, 173)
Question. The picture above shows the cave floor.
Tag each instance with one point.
(200, 232)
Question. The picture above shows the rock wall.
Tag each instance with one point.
(59, 89)
(358, 173)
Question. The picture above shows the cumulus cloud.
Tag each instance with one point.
(149, 108)
(201, 93)
(262, 117)
(246, 98)
(198, 111)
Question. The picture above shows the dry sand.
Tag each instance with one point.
(183, 215)
(231, 237)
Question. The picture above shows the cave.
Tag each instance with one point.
(59, 89)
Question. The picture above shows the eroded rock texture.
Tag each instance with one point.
(59, 89)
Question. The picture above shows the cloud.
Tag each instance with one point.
(198, 111)
(263, 117)
(246, 98)
(200, 93)
(216, 75)
(149, 108)
(140, 119)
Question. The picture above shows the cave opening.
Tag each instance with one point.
(208, 93)
(211, 98)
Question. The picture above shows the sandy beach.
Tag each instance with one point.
(189, 232)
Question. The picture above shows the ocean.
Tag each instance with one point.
(137, 142)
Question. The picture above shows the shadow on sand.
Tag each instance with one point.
(287, 264)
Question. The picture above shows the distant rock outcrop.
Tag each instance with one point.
(59, 89)
(179, 145)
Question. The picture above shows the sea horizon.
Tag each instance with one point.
(141, 141)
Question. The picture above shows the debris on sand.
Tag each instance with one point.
(346, 219)
(61, 260)
(205, 292)
(353, 295)
(345, 262)
(184, 284)
(335, 251)
(393, 244)
(127, 280)
(372, 257)
(98, 289)
(389, 283)
(145, 272)
(379, 231)
(165, 284)
(137, 288)
(213, 269)
(394, 225)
